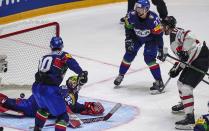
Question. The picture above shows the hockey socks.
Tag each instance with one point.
(41, 117)
(155, 70)
(61, 126)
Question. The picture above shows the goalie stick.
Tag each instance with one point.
(95, 119)
(10, 112)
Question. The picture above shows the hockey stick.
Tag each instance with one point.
(166, 83)
(190, 66)
(95, 119)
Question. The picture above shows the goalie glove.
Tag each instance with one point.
(83, 78)
(92, 108)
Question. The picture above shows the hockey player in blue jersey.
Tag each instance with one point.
(142, 26)
(51, 70)
(69, 94)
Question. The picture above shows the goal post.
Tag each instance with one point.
(21, 50)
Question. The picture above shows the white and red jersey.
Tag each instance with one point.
(184, 40)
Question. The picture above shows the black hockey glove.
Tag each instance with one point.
(174, 71)
(83, 78)
(161, 56)
(129, 44)
(183, 55)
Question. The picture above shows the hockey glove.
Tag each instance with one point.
(183, 55)
(175, 70)
(161, 56)
(129, 44)
(83, 78)
(93, 108)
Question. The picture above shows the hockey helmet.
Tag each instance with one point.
(143, 4)
(56, 42)
(72, 82)
(169, 21)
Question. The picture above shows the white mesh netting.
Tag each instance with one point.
(23, 49)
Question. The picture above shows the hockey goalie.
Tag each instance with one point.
(28, 107)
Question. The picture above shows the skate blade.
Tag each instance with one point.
(118, 87)
(181, 112)
(155, 92)
(185, 127)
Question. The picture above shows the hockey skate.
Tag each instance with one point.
(118, 80)
(187, 123)
(179, 108)
(157, 87)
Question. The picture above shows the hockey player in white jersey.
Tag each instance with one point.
(194, 52)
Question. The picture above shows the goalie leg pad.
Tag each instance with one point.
(93, 108)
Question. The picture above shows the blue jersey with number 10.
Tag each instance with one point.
(52, 67)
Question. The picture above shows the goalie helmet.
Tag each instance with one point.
(56, 42)
(72, 83)
(169, 21)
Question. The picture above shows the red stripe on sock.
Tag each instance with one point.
(60, 128)
(154, 67)
(40, 117)
(124, 64)
(188, 104)
(186, 97)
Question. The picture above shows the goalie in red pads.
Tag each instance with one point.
(28, 107)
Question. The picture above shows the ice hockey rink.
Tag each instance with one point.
(96, 40)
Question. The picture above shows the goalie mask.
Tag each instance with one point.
(72, 84)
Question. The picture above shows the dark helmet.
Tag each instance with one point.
(142, 4)
(169, 21)
(56, 42)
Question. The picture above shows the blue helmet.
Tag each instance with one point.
(56, 42)
(143, 4)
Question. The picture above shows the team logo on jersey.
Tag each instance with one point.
(142, 33)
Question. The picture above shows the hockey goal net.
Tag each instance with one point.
(20, 52)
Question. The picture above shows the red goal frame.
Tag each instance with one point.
(56, 24)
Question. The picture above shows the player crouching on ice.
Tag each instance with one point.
(191, 51)
(69, 92)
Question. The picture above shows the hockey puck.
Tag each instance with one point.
(22, 95)
(1, 128)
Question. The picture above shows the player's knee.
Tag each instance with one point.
(185, 89)
(149, 59)
(129, 57)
